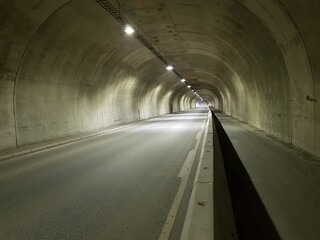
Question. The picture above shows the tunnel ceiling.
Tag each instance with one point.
(67, 67)
(249, 54)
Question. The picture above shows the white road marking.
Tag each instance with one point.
(184, 174)
(202, 150)
(186, 165)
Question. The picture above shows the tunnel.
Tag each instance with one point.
(68, 68)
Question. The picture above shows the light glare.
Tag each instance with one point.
(129, 30)
(189, 86)
(183, 80)
(169, 67)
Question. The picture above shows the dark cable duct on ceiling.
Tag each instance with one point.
(116, 13)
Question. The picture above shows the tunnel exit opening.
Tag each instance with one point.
(201, 103)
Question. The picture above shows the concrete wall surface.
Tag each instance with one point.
(67, 67)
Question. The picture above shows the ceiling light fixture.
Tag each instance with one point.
(117, 11)
(129, 30)
(182, 80)
(189, 86)
(169, 67)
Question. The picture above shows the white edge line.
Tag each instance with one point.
(166, 230)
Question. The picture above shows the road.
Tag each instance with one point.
(120, 185)
(286, 179)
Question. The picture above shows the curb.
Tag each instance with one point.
(199, 219)
(65, 142)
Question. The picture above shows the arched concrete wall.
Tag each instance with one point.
(67, 67)
(293, 26)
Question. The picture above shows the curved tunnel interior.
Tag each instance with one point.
(68, 67)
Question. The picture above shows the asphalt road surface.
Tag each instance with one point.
(120, 185)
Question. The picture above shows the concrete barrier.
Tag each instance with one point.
(199, 219)
(210, 213)
(224, 221)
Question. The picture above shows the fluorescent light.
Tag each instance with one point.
(169, 67)
(189, 86)
(183, 80)
(129, 29)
